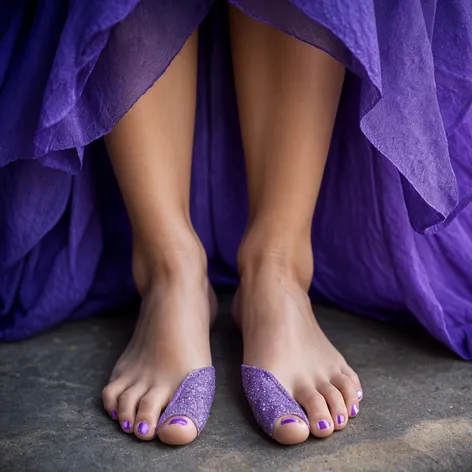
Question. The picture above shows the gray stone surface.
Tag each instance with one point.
(416, 415)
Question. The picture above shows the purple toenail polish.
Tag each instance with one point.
(354, 410)
(181, 421)
(114, 415)
(289, 420)
(126, 425)
(323, 424)
(143, 428)
(341, 419)
(360, 395)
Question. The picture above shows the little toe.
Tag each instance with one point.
(290, 429)
(349, 392)
(149, 410)
(127, 407)
(336, 405)
(321, 423)
(177, 431)
(355, 378)
(110, 395)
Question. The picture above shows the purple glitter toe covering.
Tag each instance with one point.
(268, 398)
(193, 398)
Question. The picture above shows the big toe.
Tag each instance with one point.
(188, 411)
(177, 431)
(289, 430)
(276, 412)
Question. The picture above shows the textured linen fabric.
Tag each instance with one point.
(392, 230)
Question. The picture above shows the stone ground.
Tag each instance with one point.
(416, 415)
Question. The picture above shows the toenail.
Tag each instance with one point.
(126, 425)
(289, 420)
(354, 410)
(360, 394)
(143, 428)
(323, 424)
(181, 421)
(113, 415)
(341, 419)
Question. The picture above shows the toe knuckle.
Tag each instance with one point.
(354, 377)
(332, 394)
(124, 398)
(315, 400)
(146, 403)
(107, 391)
(348, 384)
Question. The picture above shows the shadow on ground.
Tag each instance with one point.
(416, 415)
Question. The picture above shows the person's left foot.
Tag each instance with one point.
(284, 343)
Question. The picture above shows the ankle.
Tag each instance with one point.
(178, 259)
(292, 259)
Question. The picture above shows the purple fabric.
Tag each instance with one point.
(392, 230)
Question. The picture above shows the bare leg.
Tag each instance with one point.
(151, 151)
(288, 94)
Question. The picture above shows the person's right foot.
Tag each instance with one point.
(171, 339)
(281, 335)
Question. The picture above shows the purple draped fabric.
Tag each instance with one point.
(392, 232)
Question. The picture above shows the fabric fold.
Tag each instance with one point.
(392, 230)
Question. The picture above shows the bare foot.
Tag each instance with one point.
(170, 340)
(281, 335)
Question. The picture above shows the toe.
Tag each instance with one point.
(349, 392)
(177, 431)
(127, 406)
(355, 378)
(110, 395)
(276, 411)
(321, 423)
(188, 410)
(290, 430)
(149, 409)
(336, 405)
